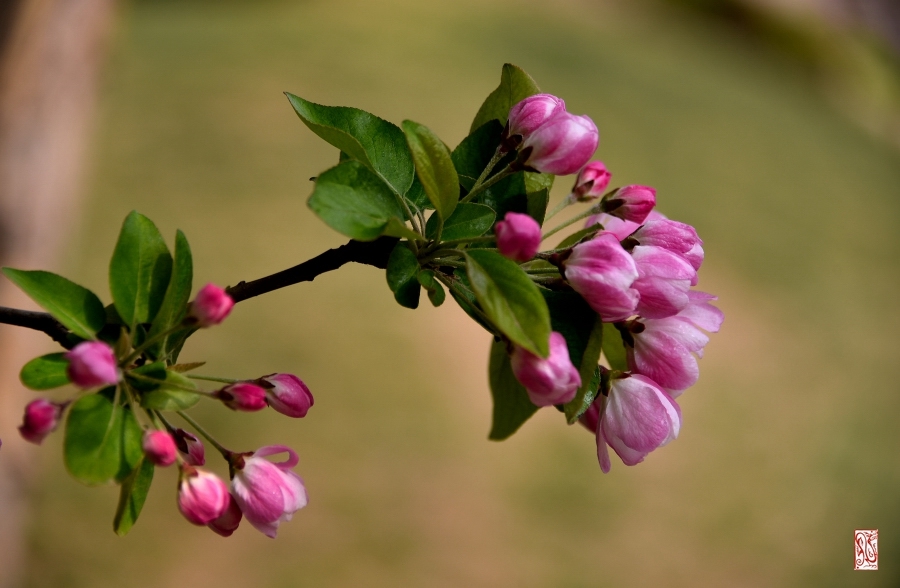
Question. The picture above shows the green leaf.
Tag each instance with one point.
(76, 307)
(510, 299)
(45, 372)
(614, 348)
(402, 269)
(584, 234)
(417, 196)
(466, 300)
(588, 365)
(147, 377)
(354, 201)
(507, 195)
(163, 389)
(139, 270)
(535, 182)
(433, 167)
(397, 228)
(473, 154)
(178, 293)
(376, 143)
(92, 446)
(511, 404)
(515, 86)
(537, 204)
(132, 444)
(434, 288)
(132, 497)
(467, 221)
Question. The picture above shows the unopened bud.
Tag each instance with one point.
(41, 418)
(243, 396)
(92, 364)
(518, 236)
(159, 448)
(211, 306)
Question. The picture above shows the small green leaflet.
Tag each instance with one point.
(401, 273)
(436, 293)
(467, 221)
(515, 86)
(177, 295)
(139, 270)
(433, 167)
(376, 143)
(76, 307)
(132, 496)
(614, 348)
(45, 372)
(511, 404)
(510, 299)
(92, 446)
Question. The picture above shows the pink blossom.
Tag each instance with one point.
(638, 417)
(529, 114)
(190, 447)
(159, 448)
(202, 496)
(288, 395)
(631, 203)
(664, 279)
(41, 418)
(664, 349)
(518, 236)
(620, 228)
(211, 306)
(679, 238)
(549, 381)
(603, 273)
(227, 523)
(269, 493)
(243, 396)
(562, 145)
(91, 364)
(591, 181)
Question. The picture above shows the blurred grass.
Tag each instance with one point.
(789, 440)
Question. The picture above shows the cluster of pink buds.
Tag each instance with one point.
(286, 393)
(636, 272)
(550, 139)
(265, 493)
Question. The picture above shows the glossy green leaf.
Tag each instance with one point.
(510, 299)
(354, 201)
(584, 234)
(45, 372)
(511, 404)
(139, 270)
(434, 167)
(402, 269)
(434, 288)
(614, 348)
(417, 197)
(76, 307)
(474, 152)
(132, 496)
(586, 368)
(92, 446)
(535, 182)
(536, 204)
(376, 143)
(132, 444)
(585, 396)
(466, 299)
(178, 293)
(467, 221)
(515, 86)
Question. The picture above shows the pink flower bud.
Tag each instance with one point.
(664, 279)
(518, 236)
(190, 447)
(269, 493)
(591, 181)
(526, 116)
(288, 395)
(91, 364)
(228, 521)
(202, 496)
(562, 145)
(159, 448)
(663, 349)
(549, 381)
(211, 306)
(243, 396)
(620, 228)
(631, 203)
(603, 273)
(639, 416)
(41, 418)
(679, 238)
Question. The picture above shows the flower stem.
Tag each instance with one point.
(146, 344)
(574, 219)
(567, 201)
(481, 187)
(212, 379)
(225, 453)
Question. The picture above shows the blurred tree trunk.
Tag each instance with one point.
(51, 53)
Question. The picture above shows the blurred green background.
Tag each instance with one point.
(789, 440)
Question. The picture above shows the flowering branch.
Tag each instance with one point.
(38, 321)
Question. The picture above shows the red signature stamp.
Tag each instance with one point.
(866, 549)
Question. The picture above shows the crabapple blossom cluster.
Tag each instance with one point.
(606, 325)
